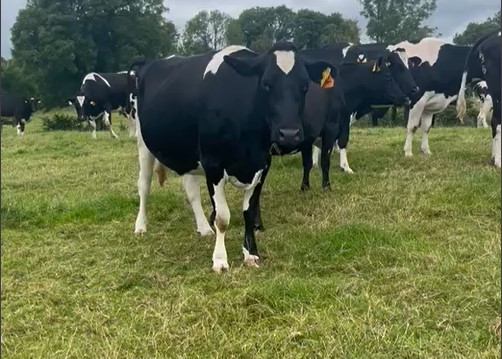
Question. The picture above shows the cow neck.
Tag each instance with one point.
(352, 90)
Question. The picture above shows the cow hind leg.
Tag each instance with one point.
(414, 115)
(94, 126)
(258, 223)
(307, 160)
(426, 123)
(108, 123)
(132, 126)
(192, 184)
(146, 161)
(496, 138)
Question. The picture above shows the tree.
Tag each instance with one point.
(393, 21)
(476, 30)
(14, 81)
(205, 31)
(56, 42)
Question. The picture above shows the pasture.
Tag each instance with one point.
(399, 260)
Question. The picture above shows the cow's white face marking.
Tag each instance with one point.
(80, 100)
(92, 77)
(217, 59)
(285, 60)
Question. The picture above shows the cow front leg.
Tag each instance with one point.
(426, 123)
(94, 126)
(496, 136)
(343, 141)
(250, 205)
(216, 188)
(258, 223)
(108, 123)
(146, 161)
(307, 161)
(192, 184)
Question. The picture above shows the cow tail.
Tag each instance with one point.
(461, 103)
(132, 75)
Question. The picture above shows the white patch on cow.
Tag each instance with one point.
(484, 110)
(250, 260)
(344, 163)
(23, 121)
(499, 33)
(192, 185)
(426, 123)
(108, 124)
(222, 220)
(496, 147)
(461, 105)
(93, 125)
(249, 189)
(427, 49)
(92, 77)
(217, 59)
(146, 161)
(70, 103)
(353, 119)
(170, 57)
(81, 100)
(346, 49)
(316, 155)
(199, 171)
(18, 127)
(285, 60)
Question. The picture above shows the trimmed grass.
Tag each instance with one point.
(399, 260)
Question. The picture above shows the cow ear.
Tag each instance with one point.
(245, 66)
(322, 73)
(377, 65)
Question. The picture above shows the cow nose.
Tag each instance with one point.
(290, 136)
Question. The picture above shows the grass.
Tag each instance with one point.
(399, 260)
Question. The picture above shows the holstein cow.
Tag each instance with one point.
(437, 69)
(361, 95)
(20, 108)
(480, 89)
(218, 114)
(100, 94)
(483, 62)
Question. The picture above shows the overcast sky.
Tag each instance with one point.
(450, 17)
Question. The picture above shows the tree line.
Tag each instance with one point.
(56, 42)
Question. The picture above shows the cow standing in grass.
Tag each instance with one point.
(483, 62)
(219, 114)
(19, 108)
(99, 95)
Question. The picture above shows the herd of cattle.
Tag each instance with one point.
(220, 116)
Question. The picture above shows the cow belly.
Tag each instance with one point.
(438, 103)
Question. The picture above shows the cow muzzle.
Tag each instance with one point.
(289, 137)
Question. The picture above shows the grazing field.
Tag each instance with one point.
(399, 260)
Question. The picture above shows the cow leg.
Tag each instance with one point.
(374, 119)
(258, 223)
(496, 139)
(343, 141)
(393, 115)
(484, 110)
(146, 161)
(328, 140)
(250, 206)
(307, 162)
(132, 125)
(316, 154)
(94, 126)
(414, 115)
(107, 118)
(426, 123)
(192, 183)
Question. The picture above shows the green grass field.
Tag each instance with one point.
(399, 260)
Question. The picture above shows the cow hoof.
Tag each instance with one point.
(408, 154)
(347, 170)
(426, 152)
(140, 231)
(220, 265)
(205, 232)
(251, 261)
(304, 187)
(259, 227)
(326, 187)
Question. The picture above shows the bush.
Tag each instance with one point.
(61, 122)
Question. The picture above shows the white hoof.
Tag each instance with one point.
(408, 154)
(205, 232)
(426, 151)
(347, 169)
(140, 227)
(220, 265)
(251, 261)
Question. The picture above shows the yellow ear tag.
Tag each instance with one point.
(326, 80)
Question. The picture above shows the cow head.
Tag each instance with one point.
(85, 106)
(398, 64)
(76, 102)
(377, 81)
(284, 76)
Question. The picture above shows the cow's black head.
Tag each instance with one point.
(398, 64)
(85, 106)
(379, 83)
(284, 77)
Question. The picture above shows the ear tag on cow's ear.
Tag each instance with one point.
(376, 68)
(327, 80)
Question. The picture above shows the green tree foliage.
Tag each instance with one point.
(476, 30)
(393, 21)
(205, 31)
(14, 80)
(56, 42)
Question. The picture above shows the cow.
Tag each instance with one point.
(218, 115)
(99, 95)
(480, 90)
(395, 60)
(20, 108)
(483, 62)
(437, 69)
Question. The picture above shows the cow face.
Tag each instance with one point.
(398, 65)
(76, 102)
(284, 77)
(86, 108)
(380, 83)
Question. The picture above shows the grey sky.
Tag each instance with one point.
(450, 17)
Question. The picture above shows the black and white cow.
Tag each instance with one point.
(19, 108)
(99, 95)
(359, 95)
(218, 115)
(480, 90)
(483, 62)
(437, 69)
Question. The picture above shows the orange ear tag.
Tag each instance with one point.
(326, 80)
